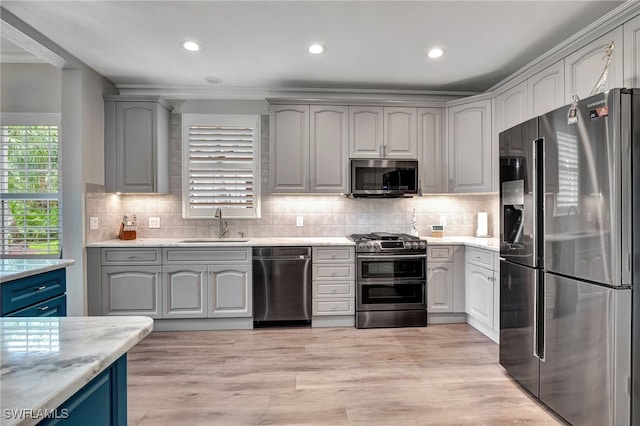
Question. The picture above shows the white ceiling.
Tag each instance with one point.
(378, 45)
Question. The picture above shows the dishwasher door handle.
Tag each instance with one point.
(301, 257)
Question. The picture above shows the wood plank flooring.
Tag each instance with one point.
(436, 375)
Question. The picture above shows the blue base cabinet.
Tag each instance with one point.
(101, 402)
(35, 296)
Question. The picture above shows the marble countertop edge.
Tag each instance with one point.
(13, 269)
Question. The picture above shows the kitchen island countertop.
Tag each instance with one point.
(44, 361)
(13, 269)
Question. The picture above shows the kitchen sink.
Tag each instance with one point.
(213, 240)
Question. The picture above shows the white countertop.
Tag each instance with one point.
(44, 361)
(490, 243)
(250, 242)
(13, 269)
(486, 243)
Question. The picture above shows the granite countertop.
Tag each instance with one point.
(44, 361)
(13, 269)
(231, 242)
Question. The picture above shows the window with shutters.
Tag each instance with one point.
(29, 186)
(221, 166)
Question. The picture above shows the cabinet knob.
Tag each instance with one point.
(44, 308)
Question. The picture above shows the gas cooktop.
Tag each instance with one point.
(388, 242)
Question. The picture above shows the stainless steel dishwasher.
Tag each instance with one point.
(281, 285)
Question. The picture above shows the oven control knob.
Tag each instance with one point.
(361, 246)
(414, 245)
(376, 246)
(423, 245)
(368, 245)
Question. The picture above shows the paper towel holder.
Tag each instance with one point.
(482, 230)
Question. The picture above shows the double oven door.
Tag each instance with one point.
(391, 282)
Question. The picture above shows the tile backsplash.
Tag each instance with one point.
(323, 215)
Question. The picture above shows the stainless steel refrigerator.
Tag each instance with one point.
(569, 198)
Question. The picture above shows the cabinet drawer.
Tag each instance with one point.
(480, 257)
(31, 290)
(55, 307)
(334, 271)
(131, 256)
(440, 253)
(344, 306)
(207, 255)
(333, 254)
(333, 289)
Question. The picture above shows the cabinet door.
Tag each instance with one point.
(129, 290)
(329, 142)
(584, 67)
(470, 151)
(136, 150)
(431, 150)
(546, 90)
(510, 107)
(365, 132)
(185, 291)
(230, 292)
(440, 287)
(289, 148)
(632, 52)
(480, 292)
(400, 133)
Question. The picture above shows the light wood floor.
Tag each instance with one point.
(437, 375)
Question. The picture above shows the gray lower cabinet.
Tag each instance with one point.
(131, 290)
(445, 283)
(483, 291)
(230, 291)
(185, 291)
(170, 282)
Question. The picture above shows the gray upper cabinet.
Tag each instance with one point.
(400, 133)
(510, 107)
(308, 149)
(546, 90)
(431, 149)
(632, 52)
(289, 148)
(329, 141)
(136, 144)
(584, 67)
(366, 131)
(383, 132)
(470, 147)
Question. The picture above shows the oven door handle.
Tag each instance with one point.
(392, 257)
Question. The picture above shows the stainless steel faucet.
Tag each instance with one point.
(223, 229)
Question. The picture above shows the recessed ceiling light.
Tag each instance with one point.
(213, 80)
(436, 52)
(316, 49)
(191, 46)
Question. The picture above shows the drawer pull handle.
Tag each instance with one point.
(132, 257)
(42, 287)
(44, 308)
(334, 291)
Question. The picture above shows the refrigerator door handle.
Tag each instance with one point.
(541, 309)
(538, 202)
(535, 315)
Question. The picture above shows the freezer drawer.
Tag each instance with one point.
(585, 372)
(517, 324)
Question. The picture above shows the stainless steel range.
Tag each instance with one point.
(391, 280)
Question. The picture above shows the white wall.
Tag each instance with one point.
(29, 88)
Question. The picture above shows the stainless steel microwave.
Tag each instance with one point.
(384, 178)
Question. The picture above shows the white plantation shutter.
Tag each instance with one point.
(221, 165)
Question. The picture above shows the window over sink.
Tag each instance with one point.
(221, 166)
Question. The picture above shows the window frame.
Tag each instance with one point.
(252, 121)
(36, 119)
